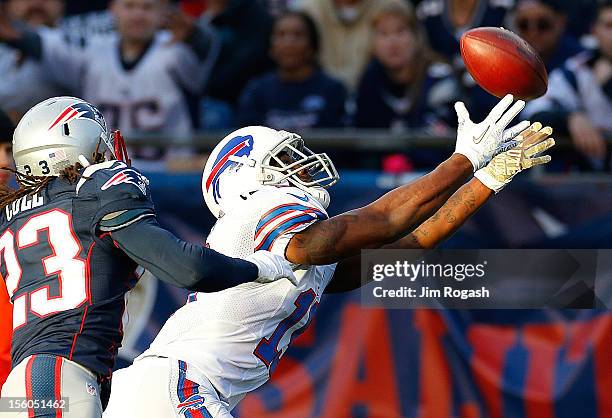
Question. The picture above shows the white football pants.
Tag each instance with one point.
(159, 387)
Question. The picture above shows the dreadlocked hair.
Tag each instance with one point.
(30, 185)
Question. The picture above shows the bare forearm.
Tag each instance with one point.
(383, 221)
(463, 204)
(410, 205)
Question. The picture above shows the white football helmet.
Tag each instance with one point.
(54, 133)
(254, 156)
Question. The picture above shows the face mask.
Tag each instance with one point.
(348, 14)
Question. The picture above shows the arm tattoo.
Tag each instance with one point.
(318, 243)
(446, 220)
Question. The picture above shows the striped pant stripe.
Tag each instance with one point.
(187, 388)
(43, 383)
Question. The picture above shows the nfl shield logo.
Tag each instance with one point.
(91, 389)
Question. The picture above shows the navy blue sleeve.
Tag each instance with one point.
(125, 210)
(181, 263)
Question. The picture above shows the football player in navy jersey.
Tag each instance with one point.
(70, 239)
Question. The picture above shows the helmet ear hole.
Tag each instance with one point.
(66, 129)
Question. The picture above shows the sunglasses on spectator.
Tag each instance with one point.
(541, 24)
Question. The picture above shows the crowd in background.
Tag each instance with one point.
(176, 67)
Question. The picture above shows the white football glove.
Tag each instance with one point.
(531, 142)
(271, 267)
(481, 142)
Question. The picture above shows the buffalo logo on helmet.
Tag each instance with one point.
(240, 146)
(80, 110)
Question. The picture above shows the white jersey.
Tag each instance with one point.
(146, 98)
(24, 82)
(236, 336)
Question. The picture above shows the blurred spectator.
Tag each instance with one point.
(23, 82)
(79, 7)
(346, 34)
(445, 21)
(243, 27)
(7, 128)
(299, 94)
(193, 8)
(278, 7)
(582, 15)
(36, 12)
(136, 77)
(579, 97)
(542, 23)
(77, 29)
(403, 87)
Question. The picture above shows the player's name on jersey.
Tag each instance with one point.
(23, 204)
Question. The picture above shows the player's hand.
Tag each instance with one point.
(531, 143)
(483, 141)
(180, 24)
(587, 138)
(271, 267)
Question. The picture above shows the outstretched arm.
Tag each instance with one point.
(178, 262)
(463, 204)
(381, 222)
(445, 222)
(192, 266)
(403, 209)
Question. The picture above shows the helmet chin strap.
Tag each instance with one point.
(84, 161)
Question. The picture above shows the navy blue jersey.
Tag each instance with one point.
(65, 277)
(317, 102)
(383, 103)
(444, 37)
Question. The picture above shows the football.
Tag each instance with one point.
(502, 62)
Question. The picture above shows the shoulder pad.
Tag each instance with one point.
(113, 180)
(286, 210)
(269, 196)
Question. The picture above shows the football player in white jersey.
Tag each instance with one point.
(268, 191)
